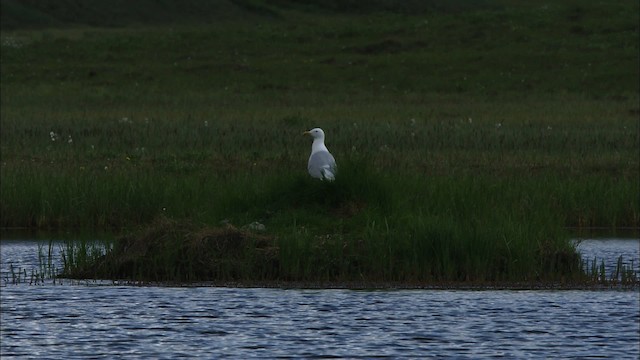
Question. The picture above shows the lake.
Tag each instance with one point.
(102, 320)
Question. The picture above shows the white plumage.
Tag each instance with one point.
(321, 164)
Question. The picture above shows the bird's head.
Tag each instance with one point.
(316, 133)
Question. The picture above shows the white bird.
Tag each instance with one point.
(321, 165)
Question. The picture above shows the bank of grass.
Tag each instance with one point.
(364, 228)
(117, 200)
(361, 228)
(468, 139)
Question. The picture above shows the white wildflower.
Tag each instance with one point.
(12, 43)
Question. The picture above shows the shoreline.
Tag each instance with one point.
(368, 285)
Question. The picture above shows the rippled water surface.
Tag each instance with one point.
(106, 321)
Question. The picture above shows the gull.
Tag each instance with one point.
(321, 165)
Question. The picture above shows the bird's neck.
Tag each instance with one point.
(318, 145)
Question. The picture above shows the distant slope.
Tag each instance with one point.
(25, 14)
(30, 14)
(395, 6)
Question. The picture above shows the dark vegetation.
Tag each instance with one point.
(469, 135)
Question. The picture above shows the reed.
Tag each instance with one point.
(623, 274)
(355, 229)
(112, 192)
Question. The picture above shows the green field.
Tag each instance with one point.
(469, 135)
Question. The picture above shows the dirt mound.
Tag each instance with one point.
(169, 250)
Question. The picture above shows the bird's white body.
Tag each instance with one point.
(321, 164)
(318, 146)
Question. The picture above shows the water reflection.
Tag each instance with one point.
(610, 252)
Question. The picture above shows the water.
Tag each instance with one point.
(609, 250)
(107, 321)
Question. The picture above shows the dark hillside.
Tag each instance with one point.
(25, 14)
(487, 47)
(371, 6)
(30, 14)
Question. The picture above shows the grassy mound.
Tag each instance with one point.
(173, 251)
(167, 250)
(356, 229)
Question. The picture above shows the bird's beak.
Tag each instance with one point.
(306, 133)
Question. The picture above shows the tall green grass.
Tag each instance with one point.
(360, 228)
(115, 198)
(351, 230)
